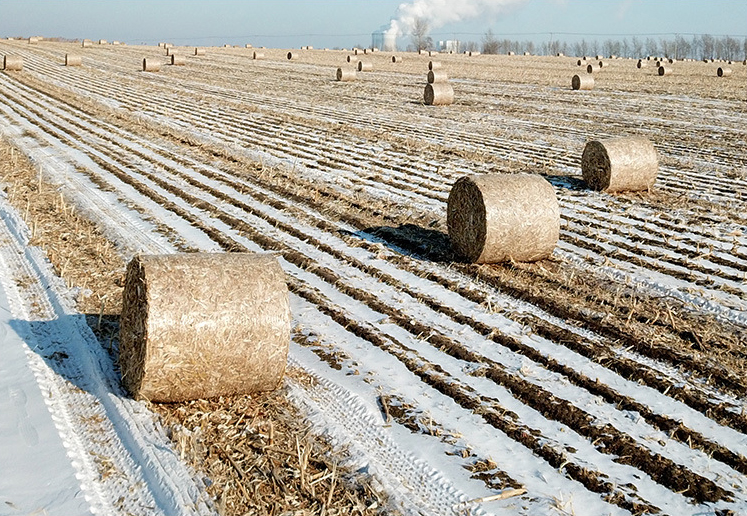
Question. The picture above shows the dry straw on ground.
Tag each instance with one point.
(13, 63)
(438, 94)
(620, 164)
(345, 74)
(582, 82)
(365, 66)
(73, 60)
(151, 65)
(435, 76)
(203, 325)
(503, 217)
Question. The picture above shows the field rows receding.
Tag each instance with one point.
(585, 401)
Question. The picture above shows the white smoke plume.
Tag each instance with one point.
(440, 12)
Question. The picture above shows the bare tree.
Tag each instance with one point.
(489, 43)
(636, 47)
(420, 38)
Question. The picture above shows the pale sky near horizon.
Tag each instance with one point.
(346, 23)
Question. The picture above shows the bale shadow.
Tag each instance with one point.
(411, 239)
(574, 183)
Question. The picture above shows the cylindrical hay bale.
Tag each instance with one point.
(365, 66)
(396, 59)
(199, 51)
(437, 76)
(589, 68)
(620, 164)
(723, 72)
(248, 45)
(103, 42)
(434, 65)
(33, 40)
(151, 65)
(664, 70)
(352, 59)
(438, 94)
(345, 74)
(501, 217)
(582, 82)
(178, 60)
(73, 60)
(258, 55)
(641, 63)
(202, 325)
(290, 56)
(12, 63)
(170, 51)
(580, 62)
(602, 64)
(87, 43)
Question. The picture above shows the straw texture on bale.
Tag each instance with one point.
(290, 56)
(582, 82)
(151, 65)
(258, 55)
(352, 59)
(665, 70)
(203, 325)
(602, 64)
(73, 60)
(620, 164)
(723, 72)
(365, 66)
(434, 65)
(396, 59)
(501, 217)
(178, 60)
(87, 43)
(641, 63)
(438, 94)
(589, 68)
(103, 42)
(437, 76)
(199, 51)
(345, 74)
(13, 63)
(580, 62)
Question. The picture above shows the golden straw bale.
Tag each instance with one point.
(201, 325)
(434, 65)
(665, 70)
(396, 59)
(73, 60)
(345, 74)
(199, 51)
(151, 65)
(103, 42)
(641, 63)
(723, 72)
(437, 76)
(582, 82)
(290, 55)
(620, 164)
(351, 59)
(438, 94)
(12, 63)
(589, 68)
(365, 66)
(502, 217)
(87, 43)
(178, 60)
(258, 55)
(33, 40)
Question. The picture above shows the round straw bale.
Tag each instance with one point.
(582, 82)
(620, 164)
(202, 325)
(502, 217)
(434, 65)
(178, 60)
(13, 63)
(87, 43)
(103, 42)
(365, 66)
(590, 68)
(258, 55)
(664, 70)
(248, 45)
(437, 76)
(73, 60)
(580, 62)
(438, 94)
(33, 40)
(723, 72)
(641, 63)
(396, 59)
(352, 59)
(199, 51)
(345, 74)
(290, 56)
(170, 51)
(602, 64)
(151, 65)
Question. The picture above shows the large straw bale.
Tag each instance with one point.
(641, 63)
(290, 56)
(620, 164)
(723, 71)
(73, 60)
(437, 76)
(151, 65)
(199, 51)
(365, 66)
(203, 325)
(582, 82)
(351, 59)
(87, 43)
(396, 59)
(434, 65)
(345, 74)
(178, 60)
(103, 42)
(12, 63)
(258, 55)
(33, 40)
(501, 217)
(665, 70)
(589, 68)
(438, 94)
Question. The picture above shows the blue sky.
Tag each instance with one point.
(344, 23)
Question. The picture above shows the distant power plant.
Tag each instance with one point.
(384, 39)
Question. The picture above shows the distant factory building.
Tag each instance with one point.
(383, 41)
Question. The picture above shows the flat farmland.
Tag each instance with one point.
(608, 379)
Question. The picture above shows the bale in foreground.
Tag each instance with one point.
(502, 217)
(203, 325)
(13, 63)
(438, 94)
(345, 75)
(620, 164)
(582, 82)
(151, 65)
(73, 60)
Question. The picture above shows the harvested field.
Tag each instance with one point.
(607, 379)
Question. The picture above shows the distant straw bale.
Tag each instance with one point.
(365, 66)
(502, 217)
(437, 76)
(345, 74)
(723, 72)
(151, 65)
(620, 164)
(178, 60)
(73, 60)
(665, 70)
(199, 51)
(12, 63)
(203, 325)
(396, 59)
(258, 55)
(582, 82)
